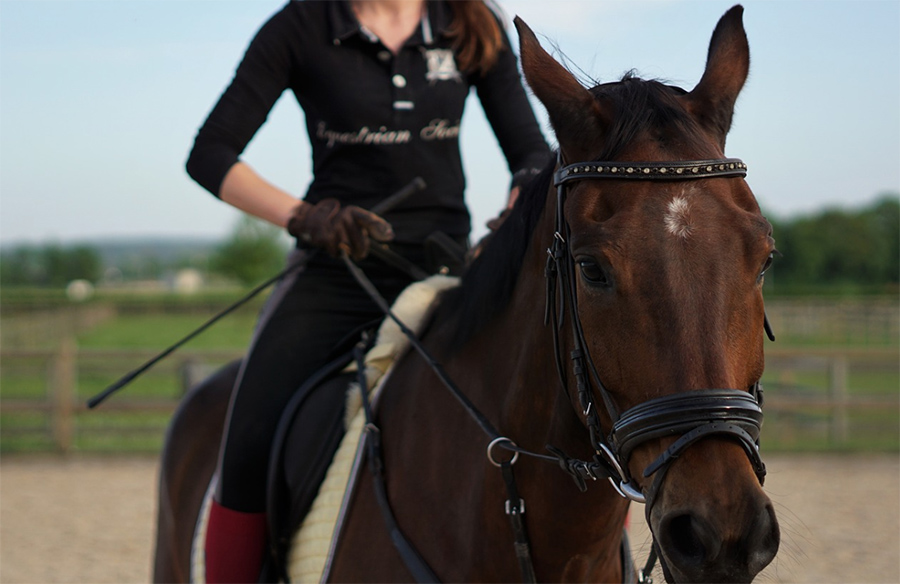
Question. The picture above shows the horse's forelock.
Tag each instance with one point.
(646, 107)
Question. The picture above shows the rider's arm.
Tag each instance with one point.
(214, 162)
(246, 190)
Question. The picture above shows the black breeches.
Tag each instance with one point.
(307, 318)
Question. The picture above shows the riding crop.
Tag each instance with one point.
(416, 185)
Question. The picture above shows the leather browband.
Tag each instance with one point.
(687, 170)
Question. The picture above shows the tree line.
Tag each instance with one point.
(839, 250)
(834, 249)
(49, 266)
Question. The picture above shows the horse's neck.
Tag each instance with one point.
(508, 372)
(516, 385)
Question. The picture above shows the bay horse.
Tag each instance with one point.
(632, 280)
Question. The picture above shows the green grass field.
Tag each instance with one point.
(106, 351)
(117, 345)
(154, 332)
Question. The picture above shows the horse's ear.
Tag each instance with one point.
(727, 66)
(577, 117)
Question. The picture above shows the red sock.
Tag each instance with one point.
(235, 543)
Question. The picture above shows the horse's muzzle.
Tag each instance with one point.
(699, 547)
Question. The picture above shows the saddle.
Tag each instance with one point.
(303, 527)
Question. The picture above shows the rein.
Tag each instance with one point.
(690, 416)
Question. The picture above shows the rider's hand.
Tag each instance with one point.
(329, 226)
(495, 223)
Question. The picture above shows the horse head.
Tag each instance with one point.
(665, 287)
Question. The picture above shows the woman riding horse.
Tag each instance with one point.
(382, 84)
(657, 250)
(611, 329)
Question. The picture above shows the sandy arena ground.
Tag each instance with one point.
(91, 520)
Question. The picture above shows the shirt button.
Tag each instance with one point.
(384, 55)
(399, 81)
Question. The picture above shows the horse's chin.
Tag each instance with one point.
(680, 578)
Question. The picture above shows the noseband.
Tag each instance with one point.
(688, 416)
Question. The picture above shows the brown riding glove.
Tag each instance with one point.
(329, 226)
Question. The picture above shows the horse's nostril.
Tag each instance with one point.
(689, 539)
(685, 540)
(763, 540)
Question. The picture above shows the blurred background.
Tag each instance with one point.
(109, 253)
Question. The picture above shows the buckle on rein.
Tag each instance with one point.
(510, 507)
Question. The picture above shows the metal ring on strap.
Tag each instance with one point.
(497, 441)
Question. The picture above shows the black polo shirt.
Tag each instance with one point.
(375, 120)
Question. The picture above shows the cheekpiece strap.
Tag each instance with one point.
(686, 170)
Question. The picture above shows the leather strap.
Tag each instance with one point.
(413, 560)
(679, 413)
(686, 170)
(515, 508)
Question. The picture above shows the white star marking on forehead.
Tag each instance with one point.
(678, 217)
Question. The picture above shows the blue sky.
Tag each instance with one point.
(100, 100)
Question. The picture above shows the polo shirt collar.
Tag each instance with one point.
(342, 20)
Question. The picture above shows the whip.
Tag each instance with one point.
(416, 185)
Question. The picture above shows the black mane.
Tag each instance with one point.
(640, 107)
(488, 282)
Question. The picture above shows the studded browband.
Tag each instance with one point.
(687, 170)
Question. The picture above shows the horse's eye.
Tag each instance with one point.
(592, 273)
(766, 266)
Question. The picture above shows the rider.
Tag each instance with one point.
(382, 84)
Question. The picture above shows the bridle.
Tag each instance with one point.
(688, 416)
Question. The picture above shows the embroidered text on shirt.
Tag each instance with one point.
(363, 136)
(440, 129)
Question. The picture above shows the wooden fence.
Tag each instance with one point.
(64, 405)
(834, 393)
(64, 399)
(835, 321)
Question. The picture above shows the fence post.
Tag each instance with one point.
(837, 387)
(63, 393)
